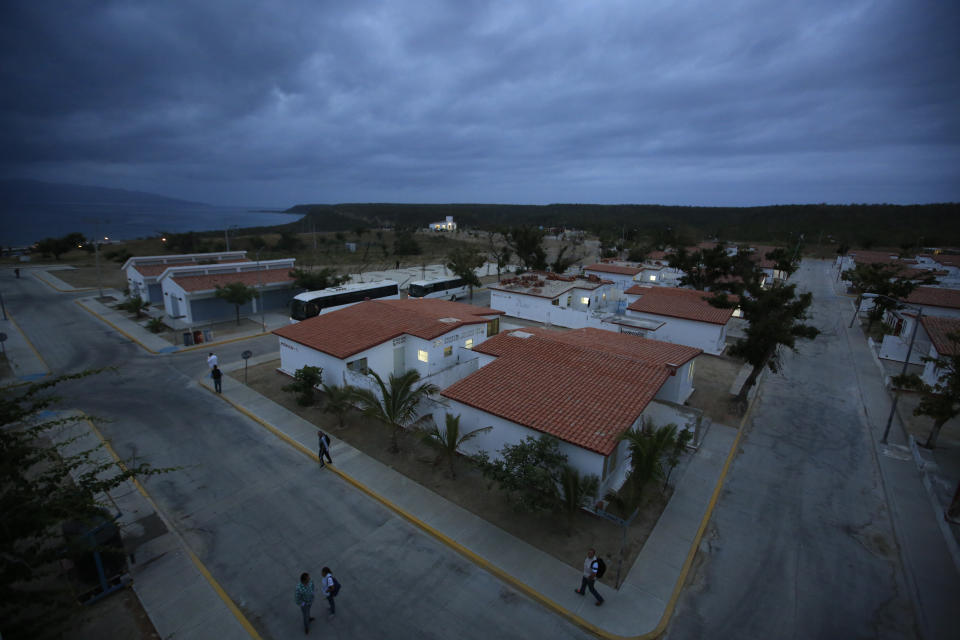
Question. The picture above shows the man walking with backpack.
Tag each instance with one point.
(330, 588)
(593, 568)
(323, 448)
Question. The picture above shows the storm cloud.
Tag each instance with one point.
(273, 103)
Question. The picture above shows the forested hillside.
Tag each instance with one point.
(858, 224)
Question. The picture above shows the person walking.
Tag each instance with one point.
(323, 448)
(212, 362)
(330, 588)
(303, 597)
(590, 567)
(217, 376)
(16, 272)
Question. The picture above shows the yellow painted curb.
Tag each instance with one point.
(115, 327)
(193, 557)
(29, 344)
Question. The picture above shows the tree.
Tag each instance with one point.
(404, 244)
(43, 487)
(940, 401)
(56, 247)
(305, 381)
(649, 446)
(449, 439)
(775, 318)
(702, 269)
(563, 261)
(463, 263)
(500, 253)
(526, 242)
(339, 402)
(256, 243)
(880, 279)
(135, 305)
(637, 253)
(309, 280)
(528, 472)
(784, 261)
(288, 242)
(237, 294)
(396, 403)
(576, 491)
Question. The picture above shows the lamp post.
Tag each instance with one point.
(263, 318)
(226, 234)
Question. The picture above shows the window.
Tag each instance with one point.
(468, 344)
(422, 355)
(555, 302)
(359, 365)
(690, 370)
(653, 278)
(447, 351)
(585, 301)
(493, 327)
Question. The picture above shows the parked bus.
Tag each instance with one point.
(448, 288)
(313, 303)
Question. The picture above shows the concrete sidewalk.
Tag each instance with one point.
(645, 600)
(26, 364)
(927, 543)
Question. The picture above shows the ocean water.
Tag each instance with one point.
(23, 225)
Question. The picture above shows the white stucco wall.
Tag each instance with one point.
(679, 386)
(702, 335)
(568, 312)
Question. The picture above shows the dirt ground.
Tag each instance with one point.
(712, 377)
(120, 615)
(85, 275)
(470, 490)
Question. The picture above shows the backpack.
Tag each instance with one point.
(601, 567)
(336, 587)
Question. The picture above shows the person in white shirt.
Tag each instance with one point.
(590, 566)
(212, 362)
(328, 585)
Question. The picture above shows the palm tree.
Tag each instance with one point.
(576, 491)
(450, 439)
(339, 401)
(396, 404)
(648, 445)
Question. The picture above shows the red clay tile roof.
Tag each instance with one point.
(614, 268)
(935, 297)
(868, 257)
(938, 328)
(348, 331)
(210, 281)
(659, 255)
(149, 270)
(688, 304)
(584, 394)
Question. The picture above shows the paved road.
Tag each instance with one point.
(256, 512)
(801, 543)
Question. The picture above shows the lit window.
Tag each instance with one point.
(447, 351)
(555, 302)
(738, 313)
(468, 344)
(585, 300)
(653, 278)
(422, 355)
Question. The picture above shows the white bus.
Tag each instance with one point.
(313, 303)
(448, 288)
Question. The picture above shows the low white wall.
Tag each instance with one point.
(702, 335)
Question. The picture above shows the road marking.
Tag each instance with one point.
(183, 543)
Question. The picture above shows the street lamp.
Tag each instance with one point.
(263, 318)
(906, 361)
(226, 234)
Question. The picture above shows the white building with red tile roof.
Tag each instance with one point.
(583, 387)
(938, 332)
(142, 271)
(622, 274)
(565, 301)
(687, 317)
(432, 336)
(189, 291)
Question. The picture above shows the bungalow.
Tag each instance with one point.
(551, 298)
(584, 387)
(686, 315)
(432, 336)
(143, 271)
(935, 302)
(189, 292)
(621, 274)
(938, 332)
(446, 225)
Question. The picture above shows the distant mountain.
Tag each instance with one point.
(18, 193)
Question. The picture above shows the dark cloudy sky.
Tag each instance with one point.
(243, 102)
